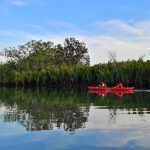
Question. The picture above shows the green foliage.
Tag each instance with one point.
(132, 73)
(39, 63)
(37, 55)
(74, 52)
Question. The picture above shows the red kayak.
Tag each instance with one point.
(115, 90)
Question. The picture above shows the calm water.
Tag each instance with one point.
(69, 119)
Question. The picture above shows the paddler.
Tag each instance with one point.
(119, 85)
(104, 85)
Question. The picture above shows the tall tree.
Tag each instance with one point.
(33, 55)
(74, 52)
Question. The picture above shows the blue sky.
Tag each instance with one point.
(104, 25)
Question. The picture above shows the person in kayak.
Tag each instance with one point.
(119, 85)
(104, 85)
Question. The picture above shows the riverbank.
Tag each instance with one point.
(130, 73)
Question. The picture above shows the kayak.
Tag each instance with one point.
(111, 89)
(114, 90)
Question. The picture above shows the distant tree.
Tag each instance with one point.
(115, 66)
(36, 55)
(26, 50)
(33, 55)
(74, 52)
(112, 56)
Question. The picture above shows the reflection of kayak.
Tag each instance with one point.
(111, 89)
(104, 93)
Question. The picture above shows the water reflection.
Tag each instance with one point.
(69, 119)
(105, 93)
(43, 109)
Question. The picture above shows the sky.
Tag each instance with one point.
(122, 26)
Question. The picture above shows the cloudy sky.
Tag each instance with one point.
(122, 26)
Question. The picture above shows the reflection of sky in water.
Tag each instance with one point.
(104, 130)
(105, 119)
(83, 139)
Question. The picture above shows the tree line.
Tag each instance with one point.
(39, 63)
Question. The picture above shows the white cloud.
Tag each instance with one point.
(129, 40)
(3, 59)
(120, 26)
(17, 2)
(100, 46)
(31, 2)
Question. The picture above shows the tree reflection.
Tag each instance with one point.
(112, 116)
(44, 113)
(41, 109)
(56, 116)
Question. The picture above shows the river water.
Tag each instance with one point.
(43, 119)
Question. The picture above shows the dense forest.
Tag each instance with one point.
(39, 63)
